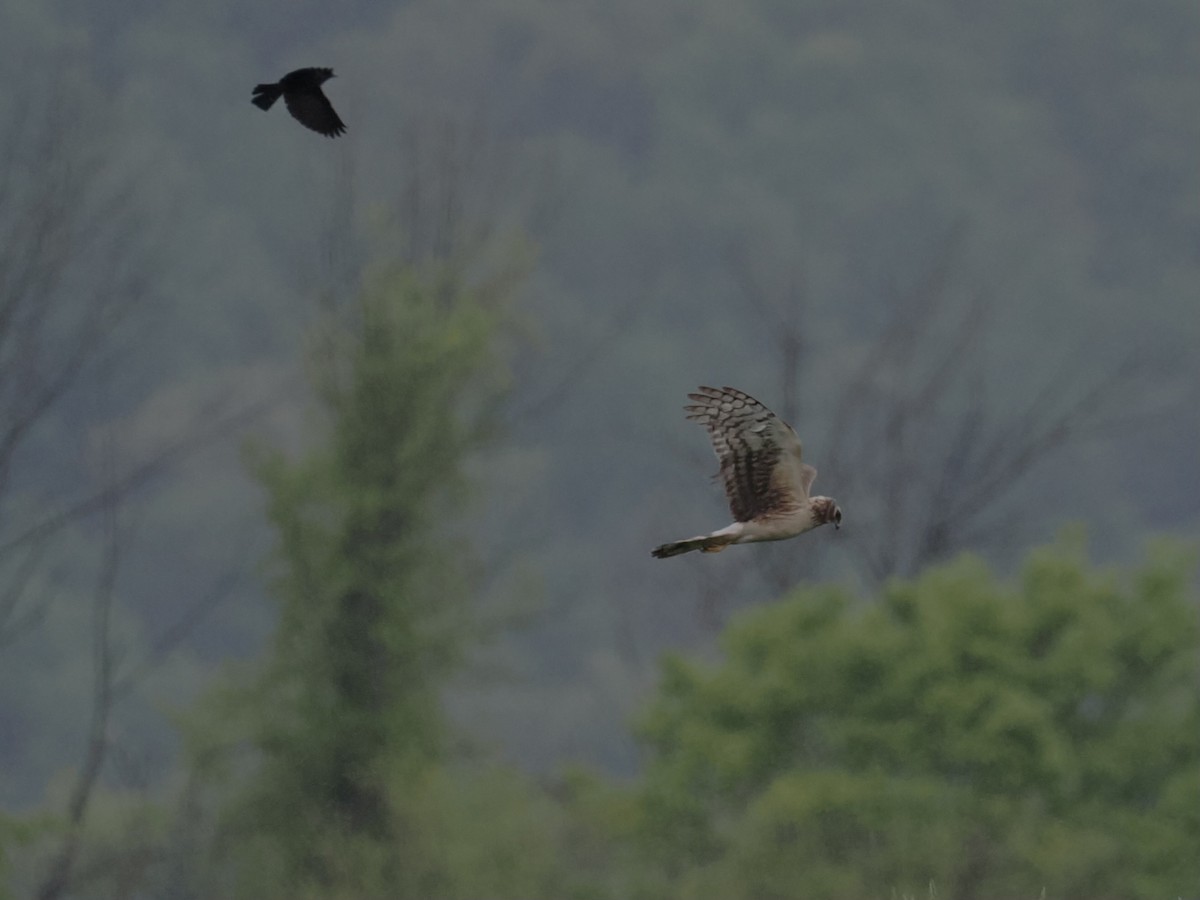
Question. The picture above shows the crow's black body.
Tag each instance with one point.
(301, 91)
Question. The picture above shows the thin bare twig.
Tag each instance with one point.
(58, 876)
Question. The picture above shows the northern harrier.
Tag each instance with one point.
(301, 91)
(766, 481)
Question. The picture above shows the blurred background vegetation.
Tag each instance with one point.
(329, 469)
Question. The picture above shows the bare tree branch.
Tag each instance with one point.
(209, 429)
(58, 876)
(564, 382)
(13, 620)
(782, 310)
(172, 637)
(75, 267)
(915, 434)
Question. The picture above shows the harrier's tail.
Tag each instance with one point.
(710, 543)
(265, 95)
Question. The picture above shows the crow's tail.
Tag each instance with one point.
(265, 95)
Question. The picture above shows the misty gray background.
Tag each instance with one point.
(653, 155)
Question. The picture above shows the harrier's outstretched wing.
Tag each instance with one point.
(761, 456)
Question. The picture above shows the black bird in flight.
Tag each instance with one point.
(301, 91)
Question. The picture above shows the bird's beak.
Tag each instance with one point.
(837, 526)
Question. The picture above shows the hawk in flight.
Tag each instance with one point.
(766, 480)
(301, 91)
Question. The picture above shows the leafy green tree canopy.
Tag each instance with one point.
(991, 740)
(345, 718)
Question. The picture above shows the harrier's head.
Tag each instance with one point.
(826, 510)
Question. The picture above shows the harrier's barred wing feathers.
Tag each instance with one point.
(761, 456)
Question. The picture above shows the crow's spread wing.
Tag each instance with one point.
(312, 109)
